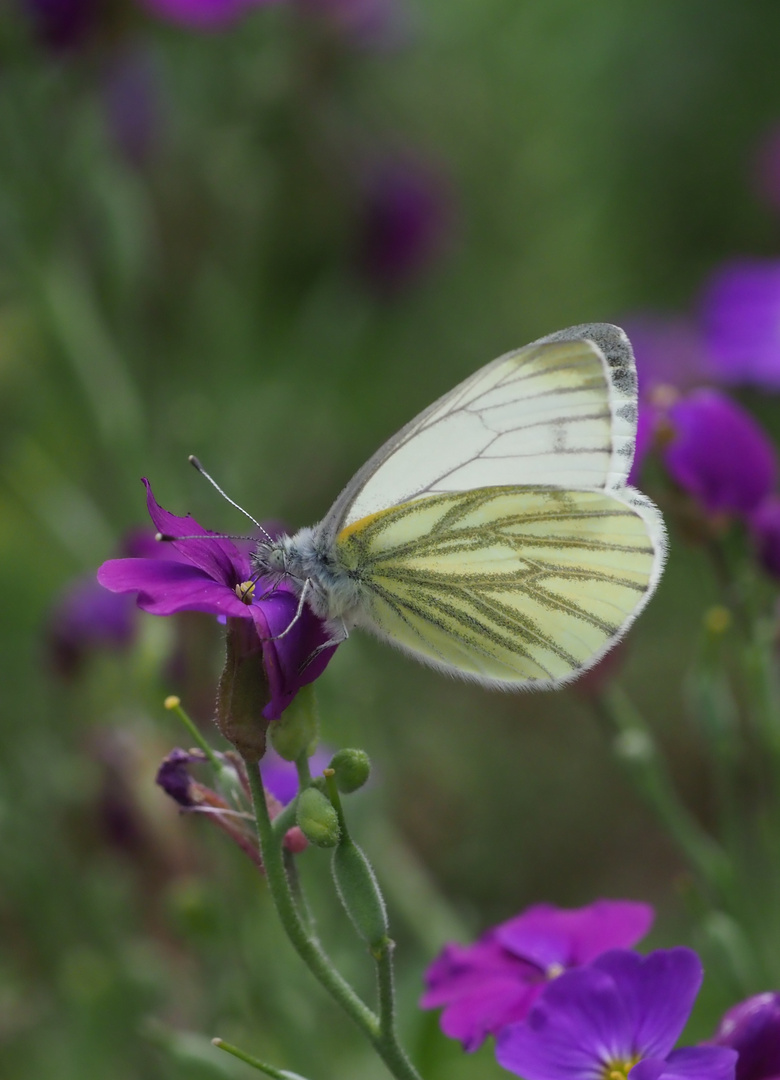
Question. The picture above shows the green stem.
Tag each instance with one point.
(174, 705)
(387, 1044)
(269, 1070)
(306, 944)
(635, 746)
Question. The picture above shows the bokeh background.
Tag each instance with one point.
(269, 234)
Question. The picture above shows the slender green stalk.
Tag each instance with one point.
(269, 1070)
(636, 747)
(307, 947)
(174, 705)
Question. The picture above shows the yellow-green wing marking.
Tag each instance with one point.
(506, 585)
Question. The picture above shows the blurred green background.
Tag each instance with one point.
(191, 261)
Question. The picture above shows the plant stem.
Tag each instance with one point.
(635, 745)
(269, 1070)
(308, 947)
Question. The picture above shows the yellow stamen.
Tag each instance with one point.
(245, 591)
(554, 970)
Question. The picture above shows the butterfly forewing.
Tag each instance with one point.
(559, 412)
(512, 585)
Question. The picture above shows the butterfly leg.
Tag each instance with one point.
(340, 634)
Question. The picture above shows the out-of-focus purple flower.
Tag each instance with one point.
(213, 575)
(203, 14)
(132, 103)
(719, 454)
(62, 24)
(766, 172)
(764, 524)
(740, 312)
(372, 24)
(280, 777)
(404, 220)
(84, 619)
(619, 1016)
(752, 1028)
(669, 351)
(485, 986)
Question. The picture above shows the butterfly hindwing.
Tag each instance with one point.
(508, 585)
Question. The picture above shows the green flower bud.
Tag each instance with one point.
(352, 768)
(359, 892)
(317, 818)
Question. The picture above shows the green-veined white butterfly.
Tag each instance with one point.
(495, 536)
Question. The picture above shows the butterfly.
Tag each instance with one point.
(494, 536)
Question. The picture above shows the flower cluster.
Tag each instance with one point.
(209, 573)
(566, 1000)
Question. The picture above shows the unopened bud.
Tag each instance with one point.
(351, 768)
(359, 892)
(317, 818)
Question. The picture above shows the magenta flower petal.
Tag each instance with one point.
(548, 936)
(752, 1028)
(669, 351)
(719, 454)
(202, 575)
(494, 982)
(165, 588)
(220, 559)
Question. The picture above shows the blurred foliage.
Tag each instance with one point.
(205, 290)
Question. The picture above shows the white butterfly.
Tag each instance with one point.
(494, 537)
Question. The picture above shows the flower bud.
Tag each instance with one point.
(295, 732)
(359, 892)
(317, 818)
(352, 768)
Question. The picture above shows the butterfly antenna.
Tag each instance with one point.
(194, 462)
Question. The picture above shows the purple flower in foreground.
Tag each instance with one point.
(213, 575)
(619, 1016)
(752, 1028)
(741, 320)
(203, 14)
(719, 454)
(485, 986)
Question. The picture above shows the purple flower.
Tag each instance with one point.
(62, 24)
(752, 1028)
(620, 1015)
(203, 14)
(369, 23)
(280, 777)
(719, 454)
(669, 351)
(84, 619)
(741, 320)
(213, 575)
(131, 101)
(764, 526)
(404, 221)
(485, 986)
